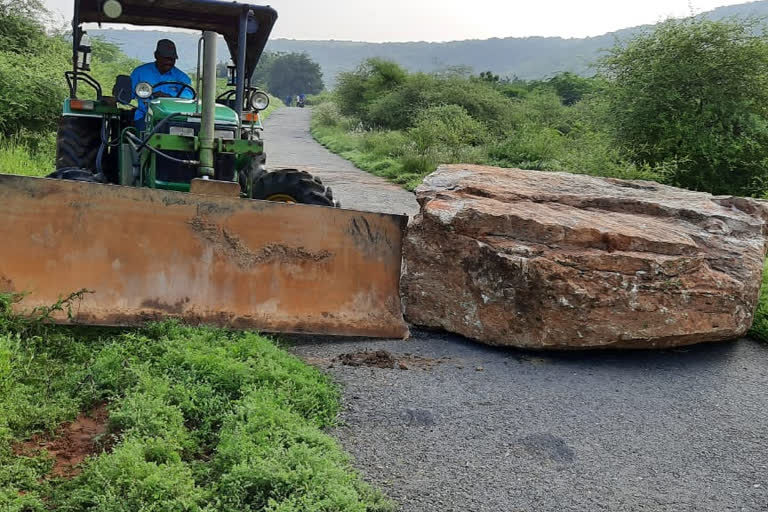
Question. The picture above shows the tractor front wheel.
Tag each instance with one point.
(292, 186)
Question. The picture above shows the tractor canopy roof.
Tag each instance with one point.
(221, 17)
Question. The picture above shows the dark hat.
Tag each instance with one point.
(166, 48)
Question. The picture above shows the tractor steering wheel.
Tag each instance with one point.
(178, 93)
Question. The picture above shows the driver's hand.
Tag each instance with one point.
(160, 94)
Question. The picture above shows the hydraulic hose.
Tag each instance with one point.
(105, 143)
(159, 125)
(160, 153)
(100, 157)
(135, 161)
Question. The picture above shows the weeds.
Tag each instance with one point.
(28, 155)
(203, 419)
(760, 326)
(34, 321)
(405, 132)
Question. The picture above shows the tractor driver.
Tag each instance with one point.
(162, 70)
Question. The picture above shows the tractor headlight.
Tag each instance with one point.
(143, 90)
(259, 101)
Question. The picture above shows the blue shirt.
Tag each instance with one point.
(149, 73)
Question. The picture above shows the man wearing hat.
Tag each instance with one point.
(162, 70)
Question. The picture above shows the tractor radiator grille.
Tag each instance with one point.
(174, 172)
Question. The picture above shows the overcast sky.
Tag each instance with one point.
(448, 20)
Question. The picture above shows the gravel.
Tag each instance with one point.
(457, 426)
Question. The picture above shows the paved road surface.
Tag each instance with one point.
(470, 428)
(288, 143)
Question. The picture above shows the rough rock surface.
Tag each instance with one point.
(555, 260)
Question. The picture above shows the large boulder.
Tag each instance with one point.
(556, 260)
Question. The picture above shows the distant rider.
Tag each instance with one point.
(162, 70)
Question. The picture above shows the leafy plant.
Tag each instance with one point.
(694, 91)
(448, 126)
(760, 326)
(202, 419)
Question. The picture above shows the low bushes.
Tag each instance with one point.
(427, 120)
(684, 103)
(199, 419)
(760, 326)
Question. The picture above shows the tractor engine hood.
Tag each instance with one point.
(220, 17)
(161, 108)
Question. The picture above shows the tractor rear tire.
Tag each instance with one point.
(293, 185)
(77, 142)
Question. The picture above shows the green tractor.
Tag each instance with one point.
(183, 144)
(177, 216)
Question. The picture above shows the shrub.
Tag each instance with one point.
(385, 143)
(760, 326)
(572, 88)
(695, 90)
(418, 121)
(32, 66)
(450, 126)
(529, 148)
(400, 108)
(320, 98)
(271, 460)
(21, 27)
(356, 90)
(31, 91)
(140, 474)
(326, 114)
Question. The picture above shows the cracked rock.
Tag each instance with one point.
(555, 260)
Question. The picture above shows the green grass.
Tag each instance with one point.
(351, 147)
(204, 419)
(28, 156)
(760, 325)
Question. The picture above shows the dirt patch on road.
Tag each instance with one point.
(387, 360)
(72, 443)
(378, 359)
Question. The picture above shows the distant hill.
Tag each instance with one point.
(526, 57)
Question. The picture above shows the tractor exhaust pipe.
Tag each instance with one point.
(208, 100)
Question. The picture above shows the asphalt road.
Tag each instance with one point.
(288, 143)
(457, 426)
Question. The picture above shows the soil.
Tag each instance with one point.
(384, 359)
(71, 444)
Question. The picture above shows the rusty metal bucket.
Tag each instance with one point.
(151, 254)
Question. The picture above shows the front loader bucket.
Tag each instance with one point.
(151, 254)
